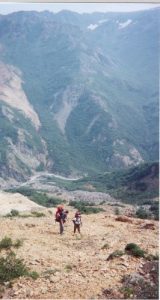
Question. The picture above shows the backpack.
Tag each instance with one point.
(57, 216)
(61, 215)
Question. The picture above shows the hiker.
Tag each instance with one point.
(77, 221)
(61, 216)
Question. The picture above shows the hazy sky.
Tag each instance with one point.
(9, 7)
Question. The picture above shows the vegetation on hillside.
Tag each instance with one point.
(134, 185)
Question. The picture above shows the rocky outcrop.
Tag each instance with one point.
(12, 93)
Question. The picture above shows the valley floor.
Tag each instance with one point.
(74, 267)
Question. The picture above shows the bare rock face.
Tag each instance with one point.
(11, 92)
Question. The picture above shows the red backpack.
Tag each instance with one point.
(58, 215)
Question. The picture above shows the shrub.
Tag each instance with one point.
(34, 275)
(155, 210)
(117, 211)
(68, 268)
(127, 291)
(105, 246)
(14, 213)
(135, 250)
(142, 213)
(152, 257)
(11, 267)
(18, 243)
(6, 243)
(116, 253)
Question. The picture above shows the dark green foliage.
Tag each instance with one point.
(123, 184)
(155, 210)
(142, 213)
(85, 207)
(127, 291)
(11, 267)
(34, 275)
(14, 213)
(6, 243)
(134, 250)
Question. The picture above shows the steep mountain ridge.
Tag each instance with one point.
(95, 110)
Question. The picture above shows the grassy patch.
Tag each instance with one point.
(7, 243)
(38, 214)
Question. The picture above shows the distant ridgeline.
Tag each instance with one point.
(79, 95)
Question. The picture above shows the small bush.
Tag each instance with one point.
(152, 257)
(34, 275)
(6, 243)
(127, 291)
(117, 211)
(18, 243)
(142, 214)
(105, 246)
(14, 213)
(11, 267)
(135, 250)
(68, 268)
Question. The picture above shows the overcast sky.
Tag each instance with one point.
(9, 7)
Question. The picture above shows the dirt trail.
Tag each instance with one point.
(74, 267)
